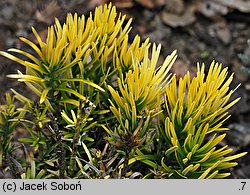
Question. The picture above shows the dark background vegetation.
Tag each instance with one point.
(201, 31)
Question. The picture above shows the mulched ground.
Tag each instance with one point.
(201, 31)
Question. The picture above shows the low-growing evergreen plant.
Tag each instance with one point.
(104, 108)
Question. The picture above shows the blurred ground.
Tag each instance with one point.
(201, 30)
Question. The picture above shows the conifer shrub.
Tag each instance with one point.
(104, 108)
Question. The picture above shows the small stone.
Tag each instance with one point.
(7, 12)
(174, 6)
(247, 86)
(224, 35)
(175, 20)
(241, 5)
(211, 9)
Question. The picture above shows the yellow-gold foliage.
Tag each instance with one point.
(88, 77)
(143, 83)
(73, 54)
(195, 111)
(138, 92)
